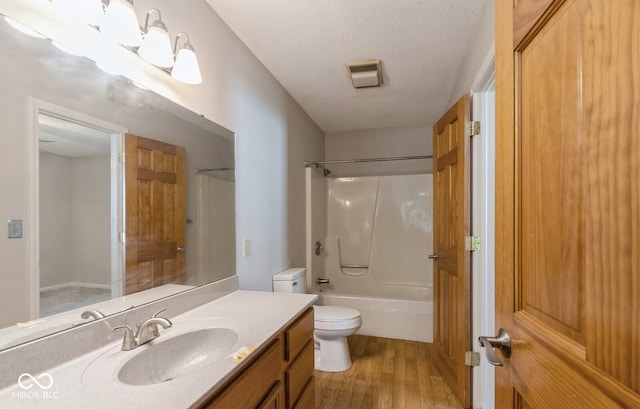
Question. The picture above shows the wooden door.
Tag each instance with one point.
(568, 202)
(155, 213)
(452, 282)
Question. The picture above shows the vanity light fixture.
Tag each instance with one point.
(120, 23)
(186, 68)
(89, 12)
(156, 45)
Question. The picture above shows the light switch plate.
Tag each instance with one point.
(15, 229)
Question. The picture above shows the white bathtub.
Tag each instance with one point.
(388, 318)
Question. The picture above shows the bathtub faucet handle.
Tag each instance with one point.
(322, 281)
(319, 248)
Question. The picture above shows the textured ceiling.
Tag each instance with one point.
(306, 44)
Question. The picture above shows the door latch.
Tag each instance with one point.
(502, 341)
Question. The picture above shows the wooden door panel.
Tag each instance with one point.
(526, 14)
(611, 41)
(551, 271)
(155, 213)
(567, 203)
(452, 309)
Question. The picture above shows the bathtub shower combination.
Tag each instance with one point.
(370, 237)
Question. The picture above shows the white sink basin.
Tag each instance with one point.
(186, 350)
(164, 360)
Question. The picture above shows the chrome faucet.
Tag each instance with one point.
(145, 332)
(91, 313)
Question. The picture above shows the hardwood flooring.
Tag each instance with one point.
(386, 374)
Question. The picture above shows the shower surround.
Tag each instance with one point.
(375, 233)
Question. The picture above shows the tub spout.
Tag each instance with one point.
(322, 281)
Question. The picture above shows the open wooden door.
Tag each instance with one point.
(452, 281)
(568, 202)
(155, 213)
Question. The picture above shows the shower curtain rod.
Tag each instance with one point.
(332, 162)
(212, 170)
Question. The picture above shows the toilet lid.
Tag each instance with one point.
(331, 313)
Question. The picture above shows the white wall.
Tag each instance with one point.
(55, 219)
(482, 44)
(74, 220)
(376, 143)
(91, 207)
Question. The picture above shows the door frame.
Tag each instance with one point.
(482, 225)
(37, 106)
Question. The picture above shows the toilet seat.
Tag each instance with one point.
(331, 318)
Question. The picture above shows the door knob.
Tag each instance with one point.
(181, 250)
(502, 341)
(434, 256)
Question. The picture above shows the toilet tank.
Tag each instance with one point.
(292, 280)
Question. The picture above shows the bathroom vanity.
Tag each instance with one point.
(279, 377)
(244, 349)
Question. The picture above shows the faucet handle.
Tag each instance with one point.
(129, 341)
(153, 328)
(95, 314)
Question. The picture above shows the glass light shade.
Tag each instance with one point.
(120, 23)
(86, 11)
(156, 46)
(186, 68)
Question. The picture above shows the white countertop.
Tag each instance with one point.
(90, 381)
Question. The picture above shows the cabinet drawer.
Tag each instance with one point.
(308, 398)
(299, 374)
(255, 383)
(297, 336)
(274, 399)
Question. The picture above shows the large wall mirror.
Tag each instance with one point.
(130, 196)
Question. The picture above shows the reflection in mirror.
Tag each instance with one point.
(74, 211)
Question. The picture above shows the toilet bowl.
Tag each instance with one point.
(332, 325)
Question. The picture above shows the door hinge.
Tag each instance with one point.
(121, 157)
(473, 128)
(122, 237)
(472, 243)
(472, 358)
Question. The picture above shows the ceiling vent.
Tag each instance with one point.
(365, 74)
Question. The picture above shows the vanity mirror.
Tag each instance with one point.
(64, 124)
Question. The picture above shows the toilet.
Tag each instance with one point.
(332, 325)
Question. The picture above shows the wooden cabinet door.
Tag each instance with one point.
(568, 202)
(452, 298)
(155, 213)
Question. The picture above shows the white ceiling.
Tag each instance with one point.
(306, 44)
(71, 139)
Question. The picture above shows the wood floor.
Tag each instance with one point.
(386, 374)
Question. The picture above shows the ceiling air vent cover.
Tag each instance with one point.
(365, 74)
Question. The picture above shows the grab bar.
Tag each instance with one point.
(353, 266)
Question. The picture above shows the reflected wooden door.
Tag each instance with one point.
(155, 213)
(452, 302)
(568, 203)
